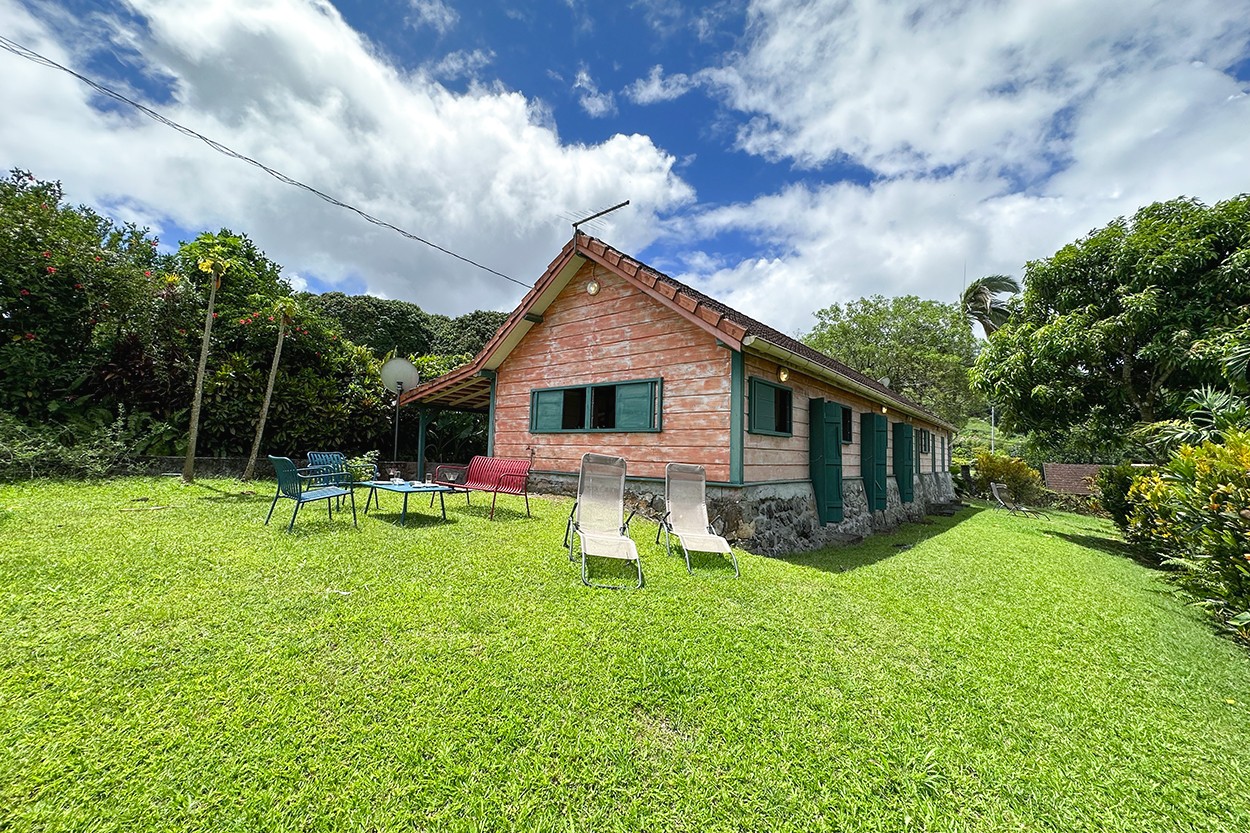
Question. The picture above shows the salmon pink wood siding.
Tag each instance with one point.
(619, 335)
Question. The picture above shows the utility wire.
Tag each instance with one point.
(31, 55)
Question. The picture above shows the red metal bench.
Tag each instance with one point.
(509, 475)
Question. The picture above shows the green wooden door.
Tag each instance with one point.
(825, 445)
(904, 448)
(873, 442)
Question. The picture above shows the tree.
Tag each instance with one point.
(72, 284)
(924, 347)
(1118, 327)
(982, 305)
(212, 254)
(284, 311)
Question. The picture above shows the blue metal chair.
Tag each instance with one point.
(305, 486)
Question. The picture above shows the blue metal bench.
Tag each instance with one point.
(305, 486)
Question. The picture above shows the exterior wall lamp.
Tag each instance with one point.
(593, 287)
(783, 374)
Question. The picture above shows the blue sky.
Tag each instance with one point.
(780, 156)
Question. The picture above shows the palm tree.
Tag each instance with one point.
(981, 304)
(211, 256)
(285, 311)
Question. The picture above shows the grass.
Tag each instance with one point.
(187, 668)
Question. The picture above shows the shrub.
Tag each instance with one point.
(75, 450)
(1112, 486)
(1195, 514)
(1023, 480)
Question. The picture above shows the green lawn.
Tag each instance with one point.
(187, 668)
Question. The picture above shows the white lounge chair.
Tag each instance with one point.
(596, 517)
(685, 502)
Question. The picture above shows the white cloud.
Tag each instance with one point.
(657, 87)
(995, 134)
(460, 64)
(482, 173)
(597, 104)
(433, 13)
(917, 86)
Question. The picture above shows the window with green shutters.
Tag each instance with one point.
(904, 455)
(873, 447)
(620, 406)
(771, 408)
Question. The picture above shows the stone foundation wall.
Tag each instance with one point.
(779, 518)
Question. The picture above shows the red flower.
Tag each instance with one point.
(97, 257)
(147, 273)
(30, 336)
(181, 331)
(47, 254)
(77, 286)
(271, 318)
(51, 270)
(153, 242)
(214, 315)
(25, 292)
(242, 320)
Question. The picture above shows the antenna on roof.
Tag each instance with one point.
(598, 215)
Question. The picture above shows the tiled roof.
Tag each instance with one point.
(734, 323)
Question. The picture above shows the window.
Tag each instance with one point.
(770, 409)
(621, 406)
(926, 442)
(848, 425)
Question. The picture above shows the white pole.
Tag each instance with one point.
(991, 429)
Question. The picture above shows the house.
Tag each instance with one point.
(606, 354)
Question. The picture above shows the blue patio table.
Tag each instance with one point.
(405, 488)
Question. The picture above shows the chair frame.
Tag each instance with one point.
(1002, 494)
(666, 526)
(306, 485)
(573, 529)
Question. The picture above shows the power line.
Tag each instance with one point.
(31, 55)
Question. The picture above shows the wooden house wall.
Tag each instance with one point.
(768, 458)
(621, 334)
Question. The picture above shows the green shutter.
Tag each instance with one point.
(904, 472)
(825, 452)
(873, 442)
(547, 410)
(763, 406)
(932, 454)
(634, 406)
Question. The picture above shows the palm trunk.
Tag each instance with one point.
(264, 407)
(188, 465)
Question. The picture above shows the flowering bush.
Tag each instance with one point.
(1195, 514)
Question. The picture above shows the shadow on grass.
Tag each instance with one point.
(880, 546)
(1111, 546)
(250, 492)
(415, 519)
(502, 513)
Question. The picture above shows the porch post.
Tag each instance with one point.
(423, 422)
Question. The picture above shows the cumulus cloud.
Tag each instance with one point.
(483, 173)
(658, 87)
(994, 135)
(917, 86)
(433, 13)
(597, 104)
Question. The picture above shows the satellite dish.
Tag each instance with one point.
(884, 380)
(400, 375)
